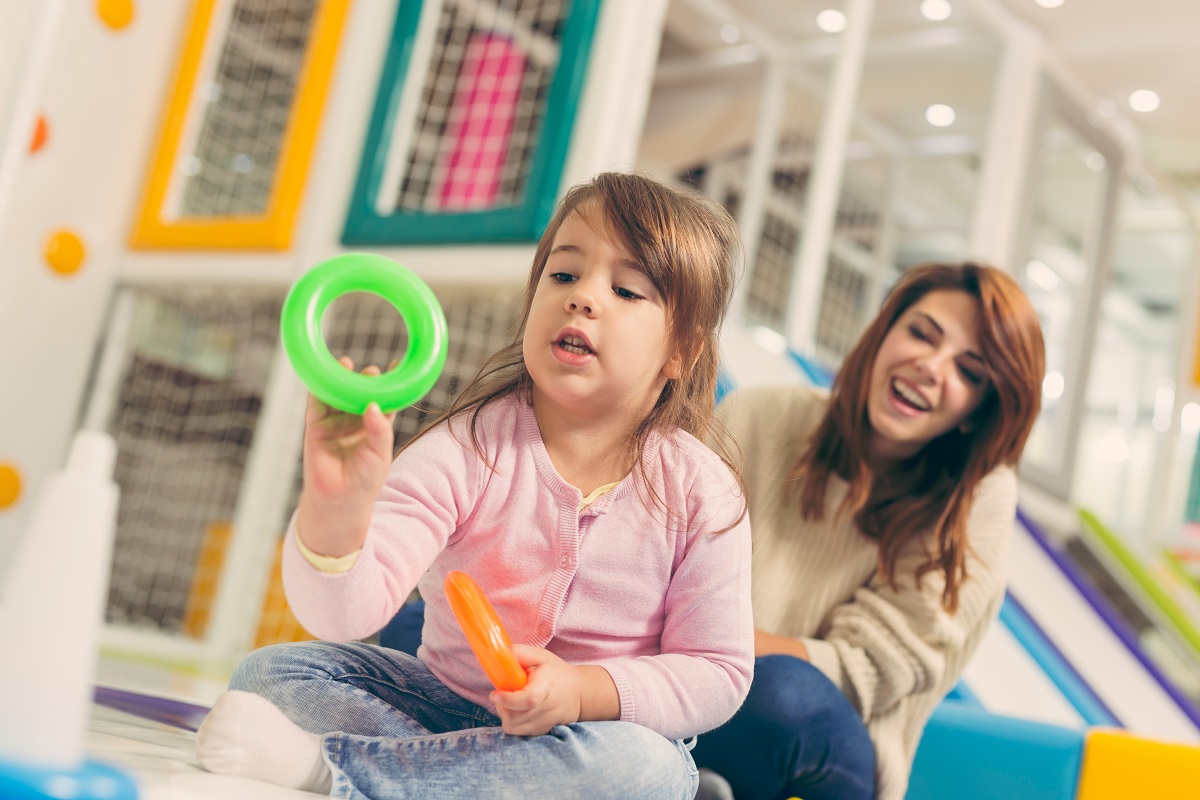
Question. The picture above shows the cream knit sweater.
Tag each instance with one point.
(895, 654)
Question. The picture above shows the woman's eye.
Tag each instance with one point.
(917, 333)
(627, 294)
(971, 376)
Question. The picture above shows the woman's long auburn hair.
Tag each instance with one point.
(933, 491)
(690, 249)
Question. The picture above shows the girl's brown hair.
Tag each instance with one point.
(689, 247)
(933, 491)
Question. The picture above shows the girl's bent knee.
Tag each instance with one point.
(643, 763)
(262, 668)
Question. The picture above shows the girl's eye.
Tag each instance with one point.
(971, 376)
(561, 277)
(624, 293)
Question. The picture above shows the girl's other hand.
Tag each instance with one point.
(553, 695)
(346, 456)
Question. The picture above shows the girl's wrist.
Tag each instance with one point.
(332, 529)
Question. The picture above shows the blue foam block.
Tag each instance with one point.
(90, 781)
(969, 754)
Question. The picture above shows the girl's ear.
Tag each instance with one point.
(673, 369)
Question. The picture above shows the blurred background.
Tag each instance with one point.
(169, 168)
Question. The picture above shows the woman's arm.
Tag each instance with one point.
(888, 643)
(770, 644)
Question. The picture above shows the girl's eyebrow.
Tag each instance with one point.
(934, 323)
(574, 248)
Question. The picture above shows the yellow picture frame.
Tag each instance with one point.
(273, 229)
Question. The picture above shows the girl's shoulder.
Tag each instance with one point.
(685, 459)
(498, 421)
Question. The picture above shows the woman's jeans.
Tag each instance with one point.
(795, 736)
(392, 730)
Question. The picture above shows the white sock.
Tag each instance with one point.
(247, 735)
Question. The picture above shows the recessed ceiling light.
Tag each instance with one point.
(1144, 100)
(940, 115)
(936, 10)
(831, 21)
(730, 34)
(1049, 3)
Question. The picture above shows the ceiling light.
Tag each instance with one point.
(940, 115)
(730, 34)
(1095, 162)
(1049, 3)
(935, 10)
(1144, 100)
(1042, 275)
(1189, 419)
(831, 21)
(1053, 385)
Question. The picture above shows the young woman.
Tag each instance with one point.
(881, 515)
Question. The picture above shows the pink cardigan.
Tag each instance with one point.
(658, 599)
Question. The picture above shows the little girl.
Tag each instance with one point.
(569, 479)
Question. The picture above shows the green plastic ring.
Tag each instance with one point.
(329, 381)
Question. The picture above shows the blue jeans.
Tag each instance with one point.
(795, 736)
(392, 730)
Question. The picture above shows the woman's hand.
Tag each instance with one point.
(557, 693)
(346, 461)
(768, 644)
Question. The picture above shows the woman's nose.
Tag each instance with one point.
(928, 366)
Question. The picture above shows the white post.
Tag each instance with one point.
(753, 198)
(1004, 177)
(825, 183)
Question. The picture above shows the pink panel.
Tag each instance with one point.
(480, 125)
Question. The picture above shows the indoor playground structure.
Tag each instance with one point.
(171, 170)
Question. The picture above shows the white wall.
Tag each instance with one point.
(101, 93)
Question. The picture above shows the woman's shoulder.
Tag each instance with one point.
(774, 412)
(997, 491)
(791, 400)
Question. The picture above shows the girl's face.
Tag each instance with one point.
(928, 377)
(596, 340)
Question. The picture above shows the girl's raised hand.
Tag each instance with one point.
(346, 461)
(346, 456)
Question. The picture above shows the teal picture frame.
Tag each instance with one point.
(509, 224)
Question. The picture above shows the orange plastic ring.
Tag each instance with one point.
(485, 633)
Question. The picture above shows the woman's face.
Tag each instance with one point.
(928, 377)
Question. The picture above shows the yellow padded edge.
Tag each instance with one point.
(274, 229)
(1120, 766)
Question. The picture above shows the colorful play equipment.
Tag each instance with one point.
(10, 485)
(116, 14)
(64, 252)
(329, 381)
(968, 754)
(485, 633)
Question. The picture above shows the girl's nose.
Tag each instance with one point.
(581, 301)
